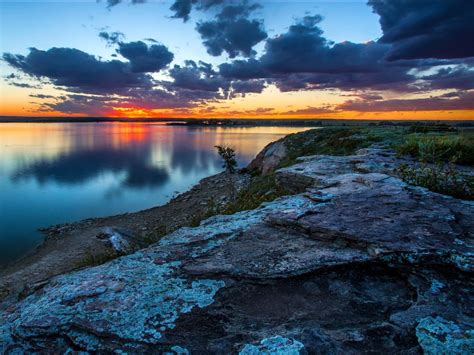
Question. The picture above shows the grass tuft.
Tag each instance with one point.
(444, 179)
(456, 149)
(330, 141)
(91, 259)
(158, 233)
(261, 189)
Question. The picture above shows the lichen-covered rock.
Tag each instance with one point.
(276, 345)
(358, 262)
(439, 336)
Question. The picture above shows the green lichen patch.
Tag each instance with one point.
(132, 299)
(276, 345)
(440, 336)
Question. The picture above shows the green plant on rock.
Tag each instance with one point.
(261, 189)
(444, 179)
(439, 148)
(436, 127)
(228, 156)
(330, 141)
(93, 259)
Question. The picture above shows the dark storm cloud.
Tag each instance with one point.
(41, 96)
(25, 85)
(82, 104)
(144, 98)
(111, 3)
(394, 79)
(370, 97)
(304, 49)
(232, 32)
(15, 80)
(426, 29)
(459, 77)
(112, 37)
(302, 59)
(182, 8)
(242, 87)
(311, 110)
(200, 83)
(243, 69)
(76, 69)
(462, 101)
(168, 97)
(197, 77)
(144, 58)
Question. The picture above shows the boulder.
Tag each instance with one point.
(269, 158)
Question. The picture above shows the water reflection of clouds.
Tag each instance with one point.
(139, 156)
(130, 160)
(68, 171)
(79, 166)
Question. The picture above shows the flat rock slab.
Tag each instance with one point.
(356, 262)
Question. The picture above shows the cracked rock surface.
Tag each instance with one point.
(356, 261)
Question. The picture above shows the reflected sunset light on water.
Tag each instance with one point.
(61, 172)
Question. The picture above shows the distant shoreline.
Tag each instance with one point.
(315, 122)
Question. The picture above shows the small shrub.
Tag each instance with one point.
(439, 148)
(443, 179)
(228, 156)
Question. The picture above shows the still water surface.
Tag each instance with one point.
(61, 172)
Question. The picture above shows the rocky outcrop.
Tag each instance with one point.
(356, 261)
(269, 158)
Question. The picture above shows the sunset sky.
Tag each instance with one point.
(381, 59)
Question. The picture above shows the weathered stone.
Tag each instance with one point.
(439, 336)
(358, 262)
(269, 158)
(273, 345)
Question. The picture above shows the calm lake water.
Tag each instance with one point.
(61, 172)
